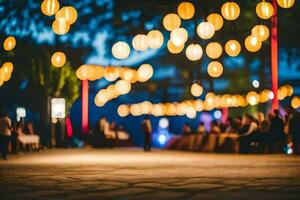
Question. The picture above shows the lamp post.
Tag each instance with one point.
(85, 106)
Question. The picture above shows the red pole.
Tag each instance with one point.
(274, 56)
(85, 106)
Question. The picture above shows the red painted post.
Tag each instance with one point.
(274, 56)
(85, 106)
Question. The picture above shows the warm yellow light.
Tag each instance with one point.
(135, 110)
(186, 10)
(252, 98)
(233, 48)
(252, 43)
(191, 112)
(157, 110)
(129, 75)
(101, 98)
(7, 67)
(155, 39)
(196, 90)
(295, 103)
(83, 72)
(60, 26)
(146, 107)
(58, 59)
(123, 110)
(50, 7)
(285, 3)
(205, 30)
(140, 42)
(111, 73)
(214, 50)
(264, 10)
(179, 36)
(194, 52)
(261, 32)
(290, 89)
(122, 87)
(216, 20)
(230, 10)
(173, 48)
(67, 12)
(9, 43)
(171, 21)
(120, 50)
(215, 69)
(144, 72)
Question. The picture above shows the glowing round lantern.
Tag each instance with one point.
(191, 113)
(179, 36)
(135, 110)
(261, 32)
(171, 21)
(123, 110)
(144, 72)
(216, 20)
(214, 50)
(122, 87)
(129, 75)
(9, 43)
(155, 39)
(83, 72)
(140, 42)
(58, 59)
(111, 73)
(186, 10)
(60, 26)
(215, 69)
(196, 90)
(264, 10)
(233, 48)
(67, 12)
(252, 43)
(7, 67)
(295, 103)
(120, 50)
(50, 7)
(173, 48)
(252, 98)
(285, 3)
(230, 10)
(194, 52)
(205, 30)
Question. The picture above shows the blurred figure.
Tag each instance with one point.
(229, 125)
(276, 131)
(186, 129)
(214, 127)
(294, 131)
(5, 133)
(201, 129)
(238, 125)
(147, 129)
(249, 135)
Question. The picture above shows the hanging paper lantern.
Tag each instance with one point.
(155, 39)
(58, 59)
(216, 20)
(140, 42)
(144, 72)
(173, 48)
(194, 52)
(67, 12)
(186, 10)
(50, 7)
(111, 73)
(123, 110)
(171, 21)
(285, 3)
(233, 48)
(122, 87)
(230, 10)
(60, 26)
(179, 36)
(205, 30)
(295, 103)
(9, 43)
(252, 43)
(196, 90)
(261, 32)
(215, 69)
(120, 50)
(83, 73)
(264, 10)
(214, 50)
(252, 98)
(7, 67)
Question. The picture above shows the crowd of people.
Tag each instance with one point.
(272, 130)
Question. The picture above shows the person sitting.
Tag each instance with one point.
(214, 128)
(201, 129)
